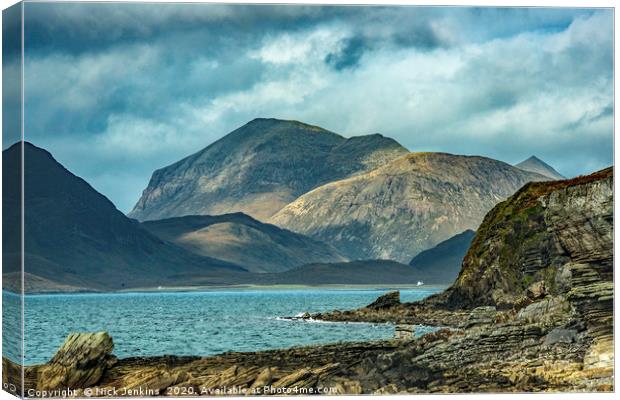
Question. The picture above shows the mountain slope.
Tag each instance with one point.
(242, 240)
(75, 236)
(404, 207)
(535, 164)
(258, 169)
(446, 258)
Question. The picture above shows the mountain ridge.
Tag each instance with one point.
(446, 257)
(422, 198)
(75, 236)
(258, 169)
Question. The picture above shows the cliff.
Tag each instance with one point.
(541, 235)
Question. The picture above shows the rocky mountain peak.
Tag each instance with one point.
(259, 168)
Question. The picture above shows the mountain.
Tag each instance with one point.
(535, 164)
(258, 169)
(552, 235)
(242, 240)
(445, 259)
(75, 236)
(404, 207)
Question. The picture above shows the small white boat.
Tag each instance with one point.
(420, 283)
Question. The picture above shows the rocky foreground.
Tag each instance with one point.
(531, 310)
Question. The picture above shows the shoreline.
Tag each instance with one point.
(483, 350)
(223, 288)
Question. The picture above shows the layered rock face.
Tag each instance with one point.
(258, 169)
(542, 233)
(79, 363)
(407, 206)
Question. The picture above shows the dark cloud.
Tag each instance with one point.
(138, 86)
(350, 54)
(11, 75)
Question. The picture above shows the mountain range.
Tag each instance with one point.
(325, 209)
(259, 168)
(76, 241)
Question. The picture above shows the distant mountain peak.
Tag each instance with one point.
(535, 164)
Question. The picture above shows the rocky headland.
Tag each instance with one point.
(531, 310)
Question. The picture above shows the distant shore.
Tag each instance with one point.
(180, 289)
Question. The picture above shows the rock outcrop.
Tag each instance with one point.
(388, 300)
(258, 169)
(404, 207)
(559, 233)
(79, 363)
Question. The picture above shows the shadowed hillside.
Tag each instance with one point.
(75, 236)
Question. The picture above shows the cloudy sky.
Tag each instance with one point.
(116, 91)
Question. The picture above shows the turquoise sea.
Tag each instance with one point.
(191, 323)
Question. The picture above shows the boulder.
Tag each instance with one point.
(388, 300)
(536, 290)
(79, 363)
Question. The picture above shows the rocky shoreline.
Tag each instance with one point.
(540, 348)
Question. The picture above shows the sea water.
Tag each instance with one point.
(195, 323)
